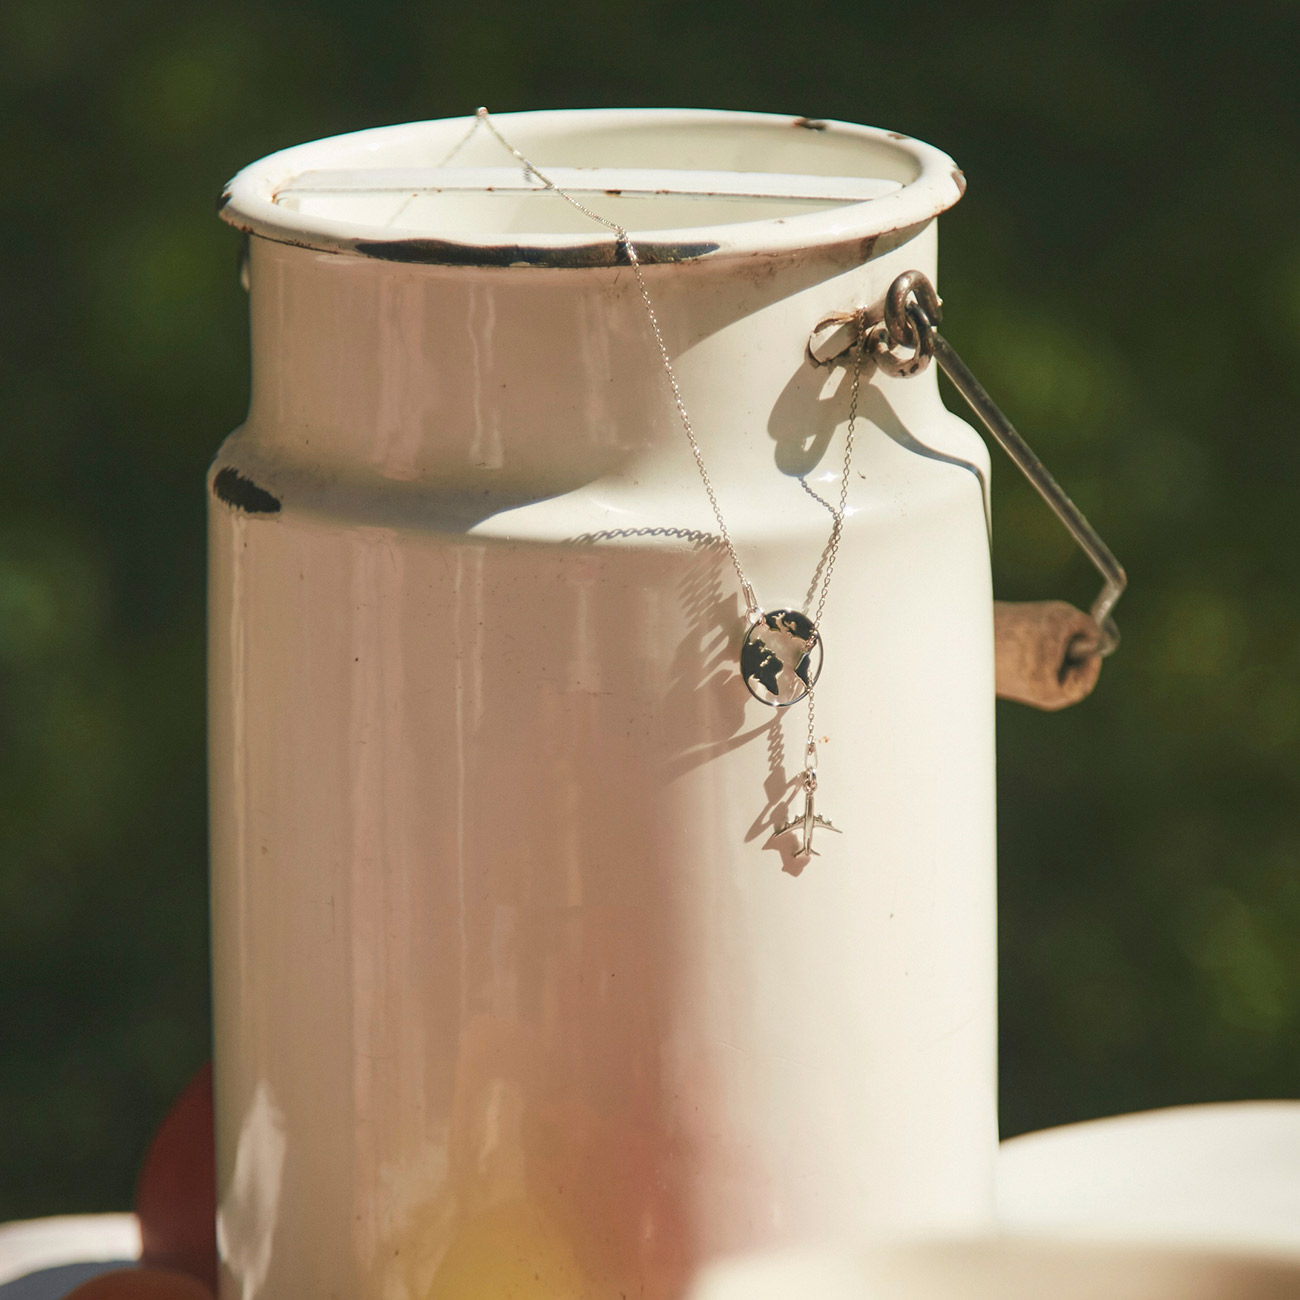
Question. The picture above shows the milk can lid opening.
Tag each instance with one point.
(686, 184)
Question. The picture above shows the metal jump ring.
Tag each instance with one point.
(911, 319)
(913, 311)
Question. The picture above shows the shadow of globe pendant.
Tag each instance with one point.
(781, 658)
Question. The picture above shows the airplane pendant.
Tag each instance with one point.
(807, 822)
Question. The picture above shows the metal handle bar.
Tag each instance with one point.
(911, 322)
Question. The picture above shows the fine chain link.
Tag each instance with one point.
(837, 526)
(754, 610)
(830, 553)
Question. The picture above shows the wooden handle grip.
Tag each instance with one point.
(1036, 645)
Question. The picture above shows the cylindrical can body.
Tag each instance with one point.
(514, 983)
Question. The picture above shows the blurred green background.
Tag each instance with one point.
(1124, 274)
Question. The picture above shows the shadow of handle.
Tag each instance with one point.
(1045, 652)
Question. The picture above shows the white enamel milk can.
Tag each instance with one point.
(524, 977)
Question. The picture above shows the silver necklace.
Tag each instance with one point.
(782, 651)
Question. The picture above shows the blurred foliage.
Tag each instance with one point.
(1124, 275)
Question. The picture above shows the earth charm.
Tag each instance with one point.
(781, 657)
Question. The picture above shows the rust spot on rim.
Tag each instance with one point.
(809, 123)
(243, 494)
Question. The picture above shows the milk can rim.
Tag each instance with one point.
(247, 203)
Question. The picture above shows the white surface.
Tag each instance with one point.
(1004, 1269)
(1001, 1269)
(1226, 1174)
(508, 963)
(33, 1244)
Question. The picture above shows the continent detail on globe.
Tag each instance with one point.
(781, 657)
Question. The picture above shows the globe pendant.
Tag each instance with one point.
(781, 657)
